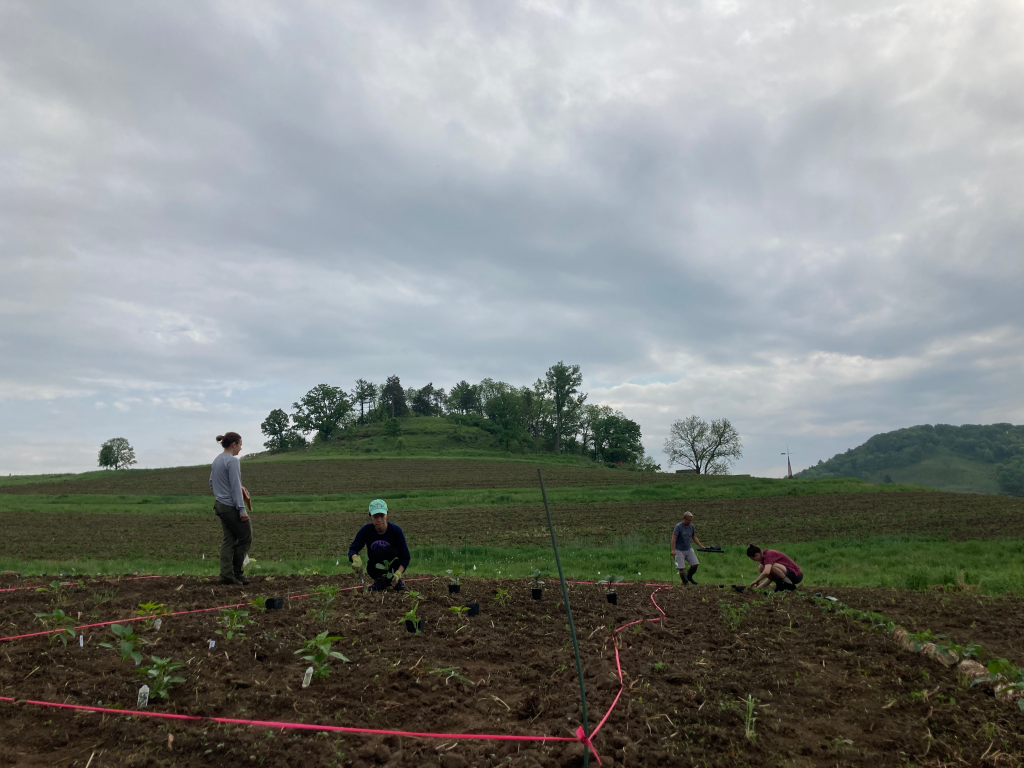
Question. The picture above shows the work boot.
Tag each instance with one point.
(242, 580)
(682, 578)
(693, 570)
(226, 581)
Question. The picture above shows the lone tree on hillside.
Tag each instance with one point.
(707, 448)
(117, 453)
(322, 410)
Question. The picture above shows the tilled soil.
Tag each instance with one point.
(65, 535)
(994, 622)
(824, 690)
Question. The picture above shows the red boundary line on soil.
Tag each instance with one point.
(161, 615)
(580, 735)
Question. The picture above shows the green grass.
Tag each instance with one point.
(997, 566)
(708, 488)
(945, 472)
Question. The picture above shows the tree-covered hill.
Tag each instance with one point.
(972, 457)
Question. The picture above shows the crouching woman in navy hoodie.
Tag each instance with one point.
(386, 550)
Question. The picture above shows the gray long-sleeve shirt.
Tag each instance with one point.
(226, 481)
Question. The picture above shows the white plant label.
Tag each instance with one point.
(245, 561)
(212, 643)
(157, 624)
(307, 678)
(143, 696)
(81, 641)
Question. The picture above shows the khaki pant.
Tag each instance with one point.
(237, 537)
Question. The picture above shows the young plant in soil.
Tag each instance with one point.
(460, 611)
(502, 596)
(733, 616)
(609, 582)
(319, 654)
(233, 619)
(410, 616)
(128, 643)
(324, 596)
(536, 585)
(749, 717)
(448, 673)
(454, 582)
(387, 569)
(60, 621)
(161, 676)
(151, 609)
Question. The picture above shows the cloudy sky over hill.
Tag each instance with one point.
(806, 217)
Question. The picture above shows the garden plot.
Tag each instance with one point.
(724, 679)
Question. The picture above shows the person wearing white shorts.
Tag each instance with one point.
(682, 549)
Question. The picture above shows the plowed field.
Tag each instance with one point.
(325, 476)
(824, 691)
(725, 521)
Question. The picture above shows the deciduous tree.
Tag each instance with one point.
(707, 447)
(562, 383)
(322, 410)
(116, 453)
(281, 436)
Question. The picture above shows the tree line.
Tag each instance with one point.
(551, 416)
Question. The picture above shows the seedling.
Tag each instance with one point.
(537, 586)
(448, 673)
(502, 596)
(658, 666)
(731, 615)
(387, 569)
(161, 676)
(233, 620)
(128, 643)
(454, 580)
(261, 604)
(61, 622)
(151, 609)
(749, 717)
(319, 654)
(460, 611)
(411, 619)
(324, 595)
(610, 581)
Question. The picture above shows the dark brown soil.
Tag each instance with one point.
(723, 521)
(335, 476)
(994, 622)
(826, 691)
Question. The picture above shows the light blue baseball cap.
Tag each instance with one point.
(378, 507)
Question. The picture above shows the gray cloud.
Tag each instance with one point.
(807, 218)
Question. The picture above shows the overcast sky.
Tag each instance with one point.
(806, 217)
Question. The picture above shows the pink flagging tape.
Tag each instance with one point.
(78, 583)
(293, 726)
(580, 737)
(41, 586)
(160, 615)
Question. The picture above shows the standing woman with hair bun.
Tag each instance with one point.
(229, 504)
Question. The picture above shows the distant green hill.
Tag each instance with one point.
(971, 458)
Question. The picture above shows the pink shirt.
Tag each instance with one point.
(772, 556)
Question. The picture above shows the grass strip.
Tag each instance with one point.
(901, 562)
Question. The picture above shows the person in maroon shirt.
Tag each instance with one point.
(774, 566)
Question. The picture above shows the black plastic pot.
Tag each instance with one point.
(453, 589)
(274, 603)
(612, 598)
(474, 609)
(738, 587)
(411, 626)
(537, 592)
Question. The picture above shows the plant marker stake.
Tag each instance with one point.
(572, 627)
(307, 678)
(143, 696)
(81, 641)
(157, 624)
(212, 643)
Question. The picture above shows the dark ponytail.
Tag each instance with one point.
(752, 551)
(228, 439)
